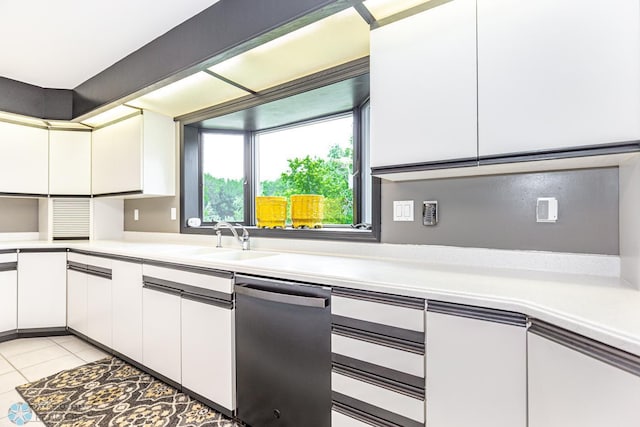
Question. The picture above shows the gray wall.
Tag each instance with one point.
(154, 215)
(499, 211)
(18, 215)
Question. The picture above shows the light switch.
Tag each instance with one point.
(403, 210)
(174, 214)
(136, 214)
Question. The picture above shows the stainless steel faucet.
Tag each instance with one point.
(244, 239)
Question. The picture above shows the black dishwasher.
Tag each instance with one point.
(283, 353)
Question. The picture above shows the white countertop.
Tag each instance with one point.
(599, 307)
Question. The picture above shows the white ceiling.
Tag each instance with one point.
(62, 43)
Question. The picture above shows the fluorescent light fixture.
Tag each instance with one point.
(60, 124)
(192, 93)
(110, 115)
(18, 118)
(332, 41)
(381, 9)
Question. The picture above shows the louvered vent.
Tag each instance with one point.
(71, 218)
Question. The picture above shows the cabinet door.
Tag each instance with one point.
(208, 357)
(24, 163)
(423, 87)
(99, 309)
(568, 388)
(116, 157)
(69, 162)
(161, 332)
(77, 301)
(557, 74)
(42, 289)
(476, 373)
(127, 309)
(8, 302)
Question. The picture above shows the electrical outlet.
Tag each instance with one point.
(136, 214)
(546, 209)
(403, 210)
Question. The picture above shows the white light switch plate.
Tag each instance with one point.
(403, 210)
(174, 214)
(136, 214)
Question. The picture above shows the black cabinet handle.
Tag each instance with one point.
(283, 298)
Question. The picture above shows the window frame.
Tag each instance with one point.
(190, 169)
(246, 175)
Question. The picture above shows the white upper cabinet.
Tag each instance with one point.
(69, 162)
(423, 87)
(557, 74)
(24, 159)
(135, 155)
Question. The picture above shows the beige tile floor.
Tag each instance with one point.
(29, 359)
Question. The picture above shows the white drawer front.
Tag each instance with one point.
(385, 314)
(381, 397)
(341, 420)
(99, 261)
(79, 258)
(12, 257)
(205, 281)
(380, 355)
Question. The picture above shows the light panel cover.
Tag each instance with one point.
(332, 41)
(190, 94)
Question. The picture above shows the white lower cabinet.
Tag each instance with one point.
(161, 332)
(9, 292)
(89, 296)
(77, 301)
(189, 330)
(42, 289)
(476, 367)
(569, 387)
(99, 308)
(208, 351)
(126, 317)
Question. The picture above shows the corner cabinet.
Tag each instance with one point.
(423, 87)
(476, 367)
(575, 381)
(554, 75)
(69, 162)
(24, 163)
(135, 155)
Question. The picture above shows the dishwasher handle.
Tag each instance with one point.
(284, 298)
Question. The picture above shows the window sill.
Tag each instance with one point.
(329, 233)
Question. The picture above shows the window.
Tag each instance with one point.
(310, 137)
(223, 177)
(310, 158)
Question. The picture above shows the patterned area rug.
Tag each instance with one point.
(110, 392)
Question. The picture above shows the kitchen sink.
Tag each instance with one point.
(235, 255)
(203, 251)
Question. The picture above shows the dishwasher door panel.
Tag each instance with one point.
(283, 354)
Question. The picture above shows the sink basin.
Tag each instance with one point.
(236, 255)
(203, 251)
